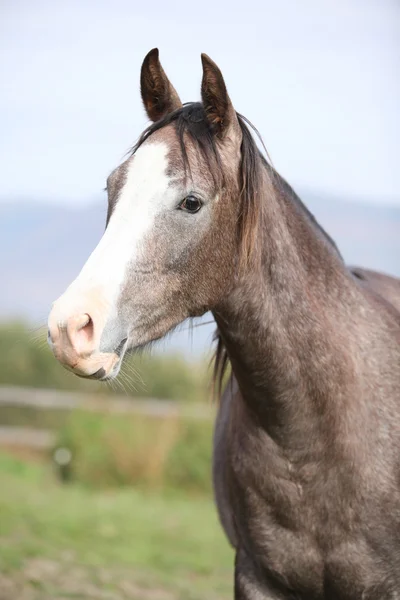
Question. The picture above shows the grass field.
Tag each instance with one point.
(71, 542)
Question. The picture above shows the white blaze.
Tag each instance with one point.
(145, 193)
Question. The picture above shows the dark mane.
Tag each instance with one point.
(191, 120)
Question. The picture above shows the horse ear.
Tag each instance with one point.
(158, 94)
(218, 106)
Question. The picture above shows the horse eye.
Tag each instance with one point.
(190, 204)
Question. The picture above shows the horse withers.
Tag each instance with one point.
(307, 441)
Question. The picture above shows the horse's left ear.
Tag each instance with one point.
(158, 94)
(218, 106)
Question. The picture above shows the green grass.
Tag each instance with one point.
(71, 542)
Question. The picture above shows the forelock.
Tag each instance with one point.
(191, 128)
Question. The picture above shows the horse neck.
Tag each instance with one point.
(286, 325)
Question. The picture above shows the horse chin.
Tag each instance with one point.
(135, 343)
(100, 367)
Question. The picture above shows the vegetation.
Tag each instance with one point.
(136, 520)
(168, 452)
(111, 449)
(72, 542)
(26, 360)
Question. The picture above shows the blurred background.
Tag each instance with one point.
(106, 490)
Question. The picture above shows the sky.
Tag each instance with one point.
(319, 79)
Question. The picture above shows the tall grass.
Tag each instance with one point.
(169, 452)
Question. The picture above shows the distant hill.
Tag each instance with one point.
(367, 234)
(43, 247)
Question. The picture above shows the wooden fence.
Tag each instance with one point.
(45, 399)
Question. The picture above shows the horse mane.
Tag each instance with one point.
(191, 120)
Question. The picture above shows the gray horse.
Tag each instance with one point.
(307, 441)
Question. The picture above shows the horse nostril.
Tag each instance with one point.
(82, 321)
(81, 332)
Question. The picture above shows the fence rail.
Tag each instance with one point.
(24, 437)
(63, 400)
(47, 399)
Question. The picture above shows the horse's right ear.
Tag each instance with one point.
(158, 94)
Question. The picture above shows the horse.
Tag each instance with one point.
(307, 440)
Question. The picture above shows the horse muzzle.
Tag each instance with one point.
(75, 342)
